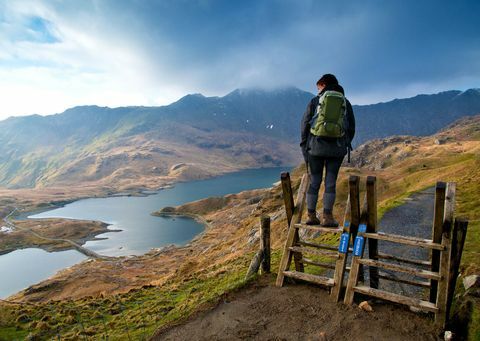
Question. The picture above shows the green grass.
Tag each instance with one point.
(136, 314)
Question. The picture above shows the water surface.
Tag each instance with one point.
(140, 230)
(22, 268)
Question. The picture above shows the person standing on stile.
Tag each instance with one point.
(327, 131)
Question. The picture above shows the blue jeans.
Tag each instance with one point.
(316, 165)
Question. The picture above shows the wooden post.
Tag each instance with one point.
(265, 243)
(341, 262)
(354, 184)
(458, 240)
(363, 220)
(372, 227)
(443, 283)
(292, 231)
(287, 195)
(289, 208)
(438, 213)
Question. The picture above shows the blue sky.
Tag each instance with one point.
(58, 54)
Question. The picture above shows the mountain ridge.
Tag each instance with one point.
(246, 128)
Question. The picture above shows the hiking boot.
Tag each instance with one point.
(328, 220)
(312, 219)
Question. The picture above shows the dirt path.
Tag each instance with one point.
(299, 312)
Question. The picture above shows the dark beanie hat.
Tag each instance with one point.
(328, 79)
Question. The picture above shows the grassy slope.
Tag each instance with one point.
(140, 312)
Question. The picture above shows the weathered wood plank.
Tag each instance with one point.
(265, 243)
(322, 280)
(407, 240)
(318, 252)
(287, 195)
(354, 186)
(352, 281)
(382, 255)
(372, 227)
(363, 221)
(388, 296)
(400, 268)
(342, 257)
(438, 212)
(443, 283)
(292, 236)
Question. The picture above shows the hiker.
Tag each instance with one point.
(328, 127)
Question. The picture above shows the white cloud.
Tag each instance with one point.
(89, 65)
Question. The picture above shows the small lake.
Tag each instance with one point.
(140, 230)
(22, 268)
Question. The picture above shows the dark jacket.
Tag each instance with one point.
(326, 147)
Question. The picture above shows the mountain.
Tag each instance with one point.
(195, 137)
(418, 116)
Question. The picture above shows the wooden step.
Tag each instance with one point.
(322, 280)
(319, 228)
(321, 264)
(329, 254)
(400, 268)
(414, 302)
(319, 246)
(413, 241)
(404, 260)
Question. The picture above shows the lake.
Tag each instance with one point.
(140, 230)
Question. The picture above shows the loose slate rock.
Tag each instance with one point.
(472, 281)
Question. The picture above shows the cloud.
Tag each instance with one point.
(54, 55)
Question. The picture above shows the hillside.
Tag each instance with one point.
(137, 295)
(136, 147)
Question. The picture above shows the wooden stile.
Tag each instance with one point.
(440, 272)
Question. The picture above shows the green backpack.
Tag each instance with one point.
(329, 118)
